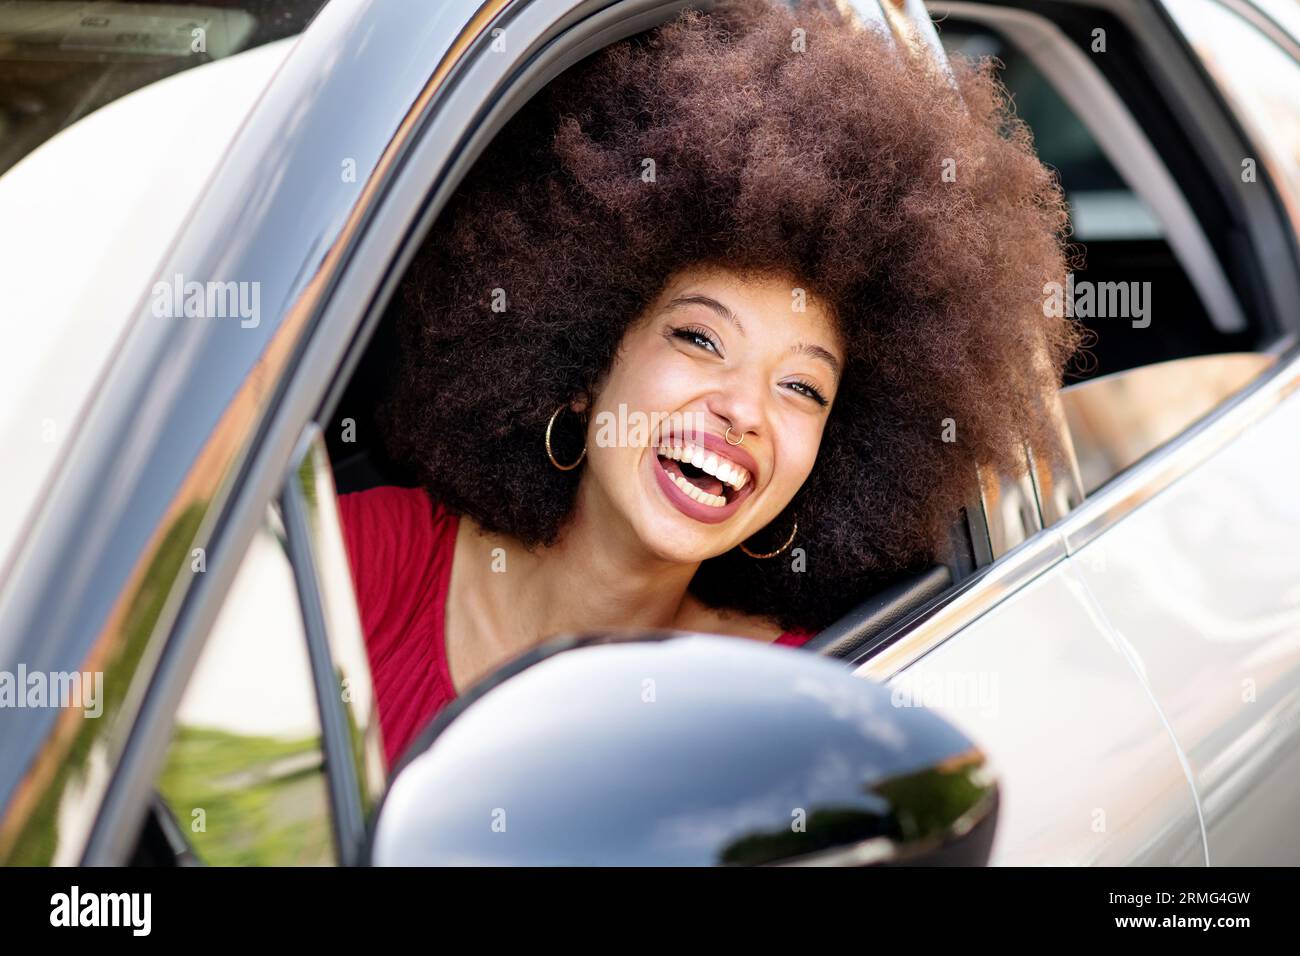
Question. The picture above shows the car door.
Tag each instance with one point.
(188, 433)
(1075, 658)
(1202, 580)
(340, 169)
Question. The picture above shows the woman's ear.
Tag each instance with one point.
(580, 404)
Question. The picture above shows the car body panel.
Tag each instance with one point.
(1203, 583)
(1088, 773)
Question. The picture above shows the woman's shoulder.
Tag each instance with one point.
(391, 503)
(400, 546)
(394, 514)
(395, 538)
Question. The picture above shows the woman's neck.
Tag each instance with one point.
(590, 578)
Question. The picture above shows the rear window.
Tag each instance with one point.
(61, 60)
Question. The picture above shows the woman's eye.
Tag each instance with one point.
(803, 388)
(697, 337)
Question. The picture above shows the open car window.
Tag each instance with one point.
(1166, 346)
(1144, 280)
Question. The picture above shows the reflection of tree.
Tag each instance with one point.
(264, 799)
(357, 744)
(38, 838)
(917, 807)
(307, 484)
(928, 803)
(826, 829)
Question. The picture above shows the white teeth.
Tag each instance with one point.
(703, 497)
(728, 472)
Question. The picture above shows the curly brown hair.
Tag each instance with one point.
(916, 208)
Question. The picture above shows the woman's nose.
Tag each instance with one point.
(739, 405)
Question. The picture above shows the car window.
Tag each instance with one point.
(1142, 279)
(1102, 205)
(59, 61)
(1117, 419)
(244, 776)
(1156, 360)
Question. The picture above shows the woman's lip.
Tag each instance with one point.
(688, 505)
(719, 446)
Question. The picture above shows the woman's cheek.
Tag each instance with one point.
(802, 452)
(667, 386)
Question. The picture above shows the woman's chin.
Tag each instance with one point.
(673, 547)
(678, 540)
(677, 530)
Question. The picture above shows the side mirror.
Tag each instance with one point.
(672, 749)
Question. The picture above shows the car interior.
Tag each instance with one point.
(1119, 236)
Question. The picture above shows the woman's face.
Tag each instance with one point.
(715, 349)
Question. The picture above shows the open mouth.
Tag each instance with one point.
(702, 477)
(705, 477)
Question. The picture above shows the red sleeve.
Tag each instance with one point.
(796, 638)
(400, 546)
(387, 534)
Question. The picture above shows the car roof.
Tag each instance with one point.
(89, 216)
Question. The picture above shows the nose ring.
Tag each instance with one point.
(727, 436)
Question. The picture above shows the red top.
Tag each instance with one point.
(400, 546)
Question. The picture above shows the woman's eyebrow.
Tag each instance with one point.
(805, 348)
(817, 352)
(707, 302)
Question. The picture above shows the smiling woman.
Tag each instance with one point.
(803, 262)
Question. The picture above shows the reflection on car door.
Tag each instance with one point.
(1089, 774)
(1203, 584)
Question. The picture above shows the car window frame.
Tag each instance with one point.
(440, 136)
(995, 540)
(355, 776)
(991, 535)
(986, 16)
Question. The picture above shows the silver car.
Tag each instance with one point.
(1109, 666)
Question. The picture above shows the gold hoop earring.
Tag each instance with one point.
(772, 554)
(727, 437)
(551, 454)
